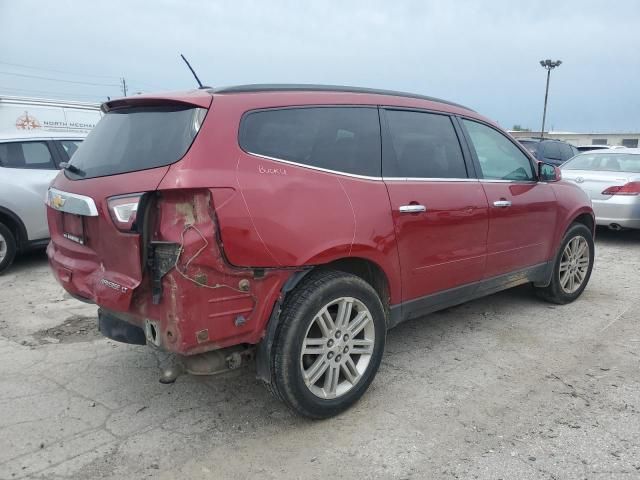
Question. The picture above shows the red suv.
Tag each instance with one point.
(298, 223)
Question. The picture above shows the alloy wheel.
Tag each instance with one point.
(337, 347)
(574, 264)
(3, 247)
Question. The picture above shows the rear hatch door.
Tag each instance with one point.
(94, 250)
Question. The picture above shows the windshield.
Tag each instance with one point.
(608, 162)
(131, 139)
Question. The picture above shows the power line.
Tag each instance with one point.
(145, 86)
(61, 80)
(58, 71)
(46, 92)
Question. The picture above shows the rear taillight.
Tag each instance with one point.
(123, 210)
(631, 188)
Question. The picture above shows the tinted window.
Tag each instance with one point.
(551, 150)
(565, 151)
(345, 139)
(70, 146)
(531, 146)
(131, 139)
(424, 145)
(26, 155)
(499, 158)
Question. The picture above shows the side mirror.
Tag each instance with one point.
(548, 172)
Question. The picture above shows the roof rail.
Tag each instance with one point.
(283, 87)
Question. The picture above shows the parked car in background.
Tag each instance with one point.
(297, 224)
(612, 179)
(555, 152)
(28, 163)
(588, 148)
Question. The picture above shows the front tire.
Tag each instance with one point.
(329, 344)
(572, 268)
(8, 248)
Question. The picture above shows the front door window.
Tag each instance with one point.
(499, 158)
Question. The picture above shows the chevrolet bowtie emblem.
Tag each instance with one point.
(58, 201)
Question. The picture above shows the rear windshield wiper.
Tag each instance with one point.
(72, 168)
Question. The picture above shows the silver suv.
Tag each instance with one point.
(28, 163)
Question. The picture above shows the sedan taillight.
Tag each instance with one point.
(631, 188)
(123, 210)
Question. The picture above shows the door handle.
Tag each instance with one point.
(412, 208)
(502, 203)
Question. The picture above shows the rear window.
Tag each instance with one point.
(132, 139)
(530, 146)
(344, 139)
(35, 155)
(608, 162)
(551, 150)
(565, 151)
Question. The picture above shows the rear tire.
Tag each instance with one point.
(572, 268)
(8, 248)
(329, 344)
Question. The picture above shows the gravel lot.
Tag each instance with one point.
(503, 387)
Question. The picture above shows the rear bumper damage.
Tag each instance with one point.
(187, 299)
(115, 328)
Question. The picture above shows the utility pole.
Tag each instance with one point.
(548, 65)
(124, 87)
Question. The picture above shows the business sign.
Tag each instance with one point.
(28, 121)
(34, 118)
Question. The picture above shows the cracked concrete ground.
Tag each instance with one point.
(503, 387)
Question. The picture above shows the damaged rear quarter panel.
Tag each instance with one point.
(206, 303)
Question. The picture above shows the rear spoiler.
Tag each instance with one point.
(195, 98)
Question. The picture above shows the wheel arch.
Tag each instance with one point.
(369, 271)
(586, 219)
(584, 216)
(364, 268)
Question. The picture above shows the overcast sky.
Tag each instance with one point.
(484, 54)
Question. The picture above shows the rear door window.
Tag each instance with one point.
(342, 139)
(498, 157)
(423, 145)
(34, 155)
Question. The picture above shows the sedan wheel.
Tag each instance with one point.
(8, 248)
(3, 248)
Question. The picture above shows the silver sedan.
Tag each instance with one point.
(612, 179)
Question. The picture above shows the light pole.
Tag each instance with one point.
(549, 65)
